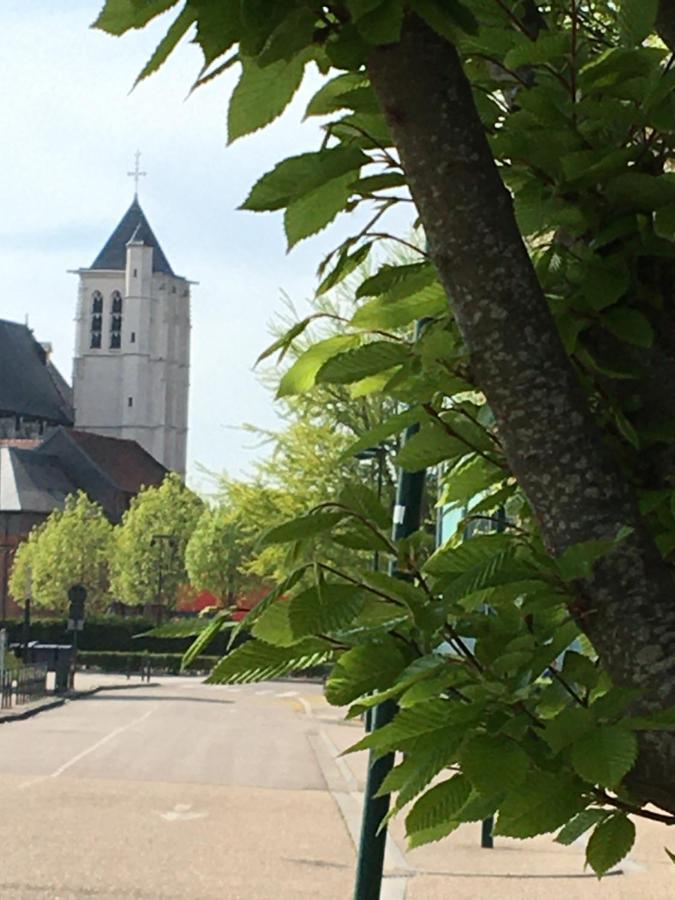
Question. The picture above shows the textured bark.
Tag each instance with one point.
(551, 441)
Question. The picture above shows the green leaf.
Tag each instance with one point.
(258, 661)
(430, 446)
(549, 48)
(493, 762)
(470, 554)
(282, 588)
(293, 34)
(273, 626)
(604, 755)
(435, 809)
(334, 94)
(637, 19)
(315, 210)
(168, 43)
(262, 94)
(664, 222)
(578, 560)
(302, 374)
(365, 502)
(181, 628)
(580, 824)
(383, 313)
(629, 325)
(468, 479)
(345, 265)
(569, 725)
(301, 527)
(215, 625)
(365, 668)
(119, 16)
(353, 365)
(398, 282)
(284, 342)
(610, 842)
(394, 425)
(382, 24)
(446, 16)
(542, 803)
(641, 191)
(323, 609)
(299, 175)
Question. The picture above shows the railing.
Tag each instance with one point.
(21, 685)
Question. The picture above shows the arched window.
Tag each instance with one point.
(96, 320)
(116, 321)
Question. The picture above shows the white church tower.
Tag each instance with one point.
(132, 346)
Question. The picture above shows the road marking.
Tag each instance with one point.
(75, 759)
(305, 705)
(287, 694)
(182, 812)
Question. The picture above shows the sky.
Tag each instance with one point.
(70, 127)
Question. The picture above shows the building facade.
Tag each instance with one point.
(132, 345)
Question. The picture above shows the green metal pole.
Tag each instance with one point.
(370, 864)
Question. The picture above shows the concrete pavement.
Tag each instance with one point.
(195, 792)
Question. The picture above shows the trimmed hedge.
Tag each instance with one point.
(110, 633)
(135, 662)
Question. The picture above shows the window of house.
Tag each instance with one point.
(130, 401)
(116, 321)
(96, 325)
(132, 339)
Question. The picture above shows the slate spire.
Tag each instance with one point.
(133, 226)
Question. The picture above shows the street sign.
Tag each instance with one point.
(75, 625)
(77, 594)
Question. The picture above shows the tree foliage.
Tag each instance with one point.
(217, 552)
(71, 546)
(150, 543)
(536, 143)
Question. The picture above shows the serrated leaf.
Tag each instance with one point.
(446, 16)
(119, 16)
(323, 609)
(610, 842)
(542, 803)
(398, 282)
(383, 313)
(280, 590)
(345, 265)
(468, 479)
(316, 209)
(547, 49)
(579, 825)
(168, 43)
(273, 626)
(262, 94)
(394, 425)
(568, 726)
(181, 628)
(334, 94)
(302, 374)
(605, 755)
(361, 362)
(365, 668)
(470, 554)
(641, 191)
(629, 325)
(216, 624)
(365, 502)
(301, 527)
(258, 661)
(285, 340)
(664, 222)
(299, 175)
(430, 446)
(382, 24)
(437, 806)
(637, 19)
(492, 762)
(578, 560)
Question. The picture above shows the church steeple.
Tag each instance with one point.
(133, 225)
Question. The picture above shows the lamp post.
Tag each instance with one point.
(379, 453)
(6, 549)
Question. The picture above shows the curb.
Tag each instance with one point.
(74, 695)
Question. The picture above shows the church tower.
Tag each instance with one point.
(132, 346)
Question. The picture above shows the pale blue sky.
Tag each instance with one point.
(70, 128)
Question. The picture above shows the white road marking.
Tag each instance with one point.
(287, 694)
(182, 813)
(75, 759)
(305, 705)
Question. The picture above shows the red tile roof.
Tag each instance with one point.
(125, 462)
(21, 443)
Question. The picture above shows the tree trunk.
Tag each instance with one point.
(551, 441)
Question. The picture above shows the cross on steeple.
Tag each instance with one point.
(136, 174)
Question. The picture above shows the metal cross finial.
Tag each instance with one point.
(136, 174)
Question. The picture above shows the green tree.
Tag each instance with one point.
(217, 553)
(536, 143)
(148, 556)
(71, 547)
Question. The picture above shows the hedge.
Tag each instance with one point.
(125, 663)
(111, 633)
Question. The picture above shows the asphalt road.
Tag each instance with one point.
(238, 793)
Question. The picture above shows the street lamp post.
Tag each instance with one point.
(379, 453)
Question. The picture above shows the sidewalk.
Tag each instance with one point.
(458, 867)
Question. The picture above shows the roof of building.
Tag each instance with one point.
(27, 387)
(124, 462)
(31, 482)
(20, 443)
(133, 226)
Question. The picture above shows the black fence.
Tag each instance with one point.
(21, 685)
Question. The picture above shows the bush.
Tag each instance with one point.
(110, 633)
(133, 663)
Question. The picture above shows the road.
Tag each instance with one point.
(196, 792)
